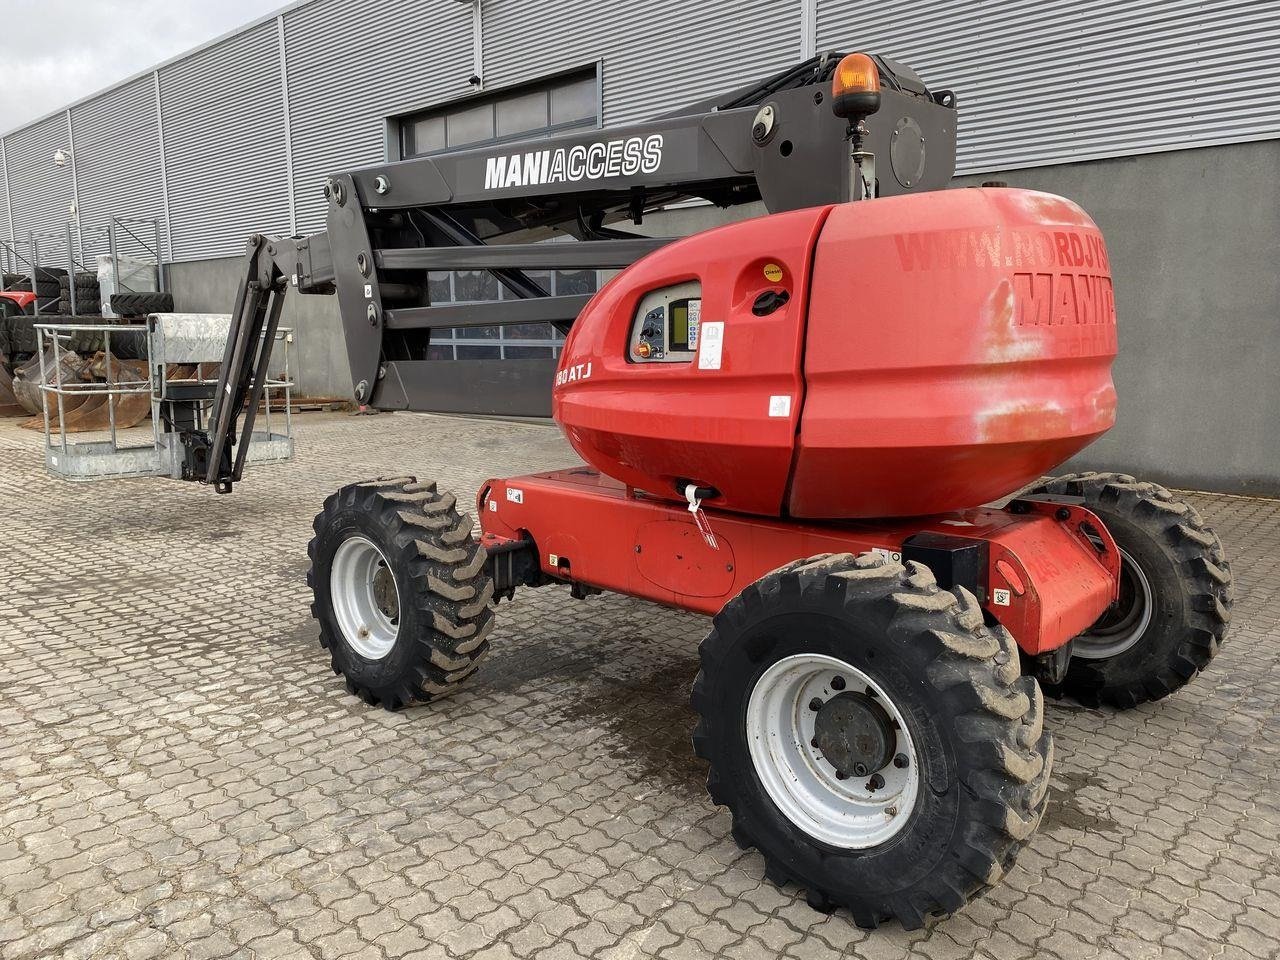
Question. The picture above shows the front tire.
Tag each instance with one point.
(401, 591)
(1175, 597)
(857, 662)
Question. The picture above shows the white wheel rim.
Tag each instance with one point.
(1102, 643)
(802, 783)
(365, 598)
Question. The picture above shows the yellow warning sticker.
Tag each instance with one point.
(772, 272)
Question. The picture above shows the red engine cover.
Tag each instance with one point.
(948, 348)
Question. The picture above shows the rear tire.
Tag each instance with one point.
(401, 591)
(953, 704)
(1176, 595)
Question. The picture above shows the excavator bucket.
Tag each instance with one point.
(9, 406)
(93, 411)
(26, 380)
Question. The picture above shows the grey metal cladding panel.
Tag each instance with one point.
(117, 154)
(658, 55)
(40, 191)
(1050, 81)
(4, 197)
(351, 64)
(224, 145)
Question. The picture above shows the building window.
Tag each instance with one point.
(521, 341)
(542, 109)
(549, 107)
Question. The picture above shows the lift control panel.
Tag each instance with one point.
(665, 329)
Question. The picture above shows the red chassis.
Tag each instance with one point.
(1048, 569)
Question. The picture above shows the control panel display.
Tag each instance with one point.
(666, 325)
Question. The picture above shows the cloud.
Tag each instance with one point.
(57, 51)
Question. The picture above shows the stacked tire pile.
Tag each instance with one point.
(48, 280)
(21, 330)
(133, 308)
(88, 298)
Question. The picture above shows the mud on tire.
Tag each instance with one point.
(440, 581)
(984, 757)
(1185, 571)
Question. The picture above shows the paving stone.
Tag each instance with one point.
(181, 775)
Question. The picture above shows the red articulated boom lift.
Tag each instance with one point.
(794, 424)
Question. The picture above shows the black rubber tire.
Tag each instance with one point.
(44, 275)
(1191, 586)
(141, 304)
(125, 344)
(44, 288)
(978, 724)
(443, 584)
(22, 333)
(84, 281)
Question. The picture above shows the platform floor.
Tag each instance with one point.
(181, 775)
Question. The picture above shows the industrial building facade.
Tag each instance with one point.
(1150, 109)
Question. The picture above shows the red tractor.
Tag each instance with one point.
(795, 424)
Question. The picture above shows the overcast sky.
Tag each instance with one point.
(55, 51)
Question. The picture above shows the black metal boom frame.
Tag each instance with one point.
(491, 208)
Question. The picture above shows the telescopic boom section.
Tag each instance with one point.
(490, 209)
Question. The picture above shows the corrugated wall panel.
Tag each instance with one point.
(1050, 81)
(39, 190)
(658, 55)
(406, 55)
(5, 235)
(117, 154)
(225, 145)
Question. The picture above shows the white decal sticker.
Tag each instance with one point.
(695, 320)
(711, 345)
(956, 523)
(553, 560)
(1000, 598)
(493, 506)
(582, 161)
(572, 374)
(893, 555)
(515, 495)
(780, 406)
(368, 291)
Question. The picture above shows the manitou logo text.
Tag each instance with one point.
(579, 371)
(1055, 299)
(585, 161)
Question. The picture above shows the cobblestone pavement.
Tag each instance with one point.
(182, 776)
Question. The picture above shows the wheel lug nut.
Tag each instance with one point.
(815, 704)
(875, 783)
(837, 683)
(901, 761)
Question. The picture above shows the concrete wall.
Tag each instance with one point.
(1193, 236)
(319, 355)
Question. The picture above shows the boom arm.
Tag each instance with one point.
(490, 208)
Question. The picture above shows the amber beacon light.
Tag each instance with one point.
(855, 87)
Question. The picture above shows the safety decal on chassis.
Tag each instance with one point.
(515, 495)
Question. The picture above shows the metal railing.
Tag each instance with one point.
(96, 457)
